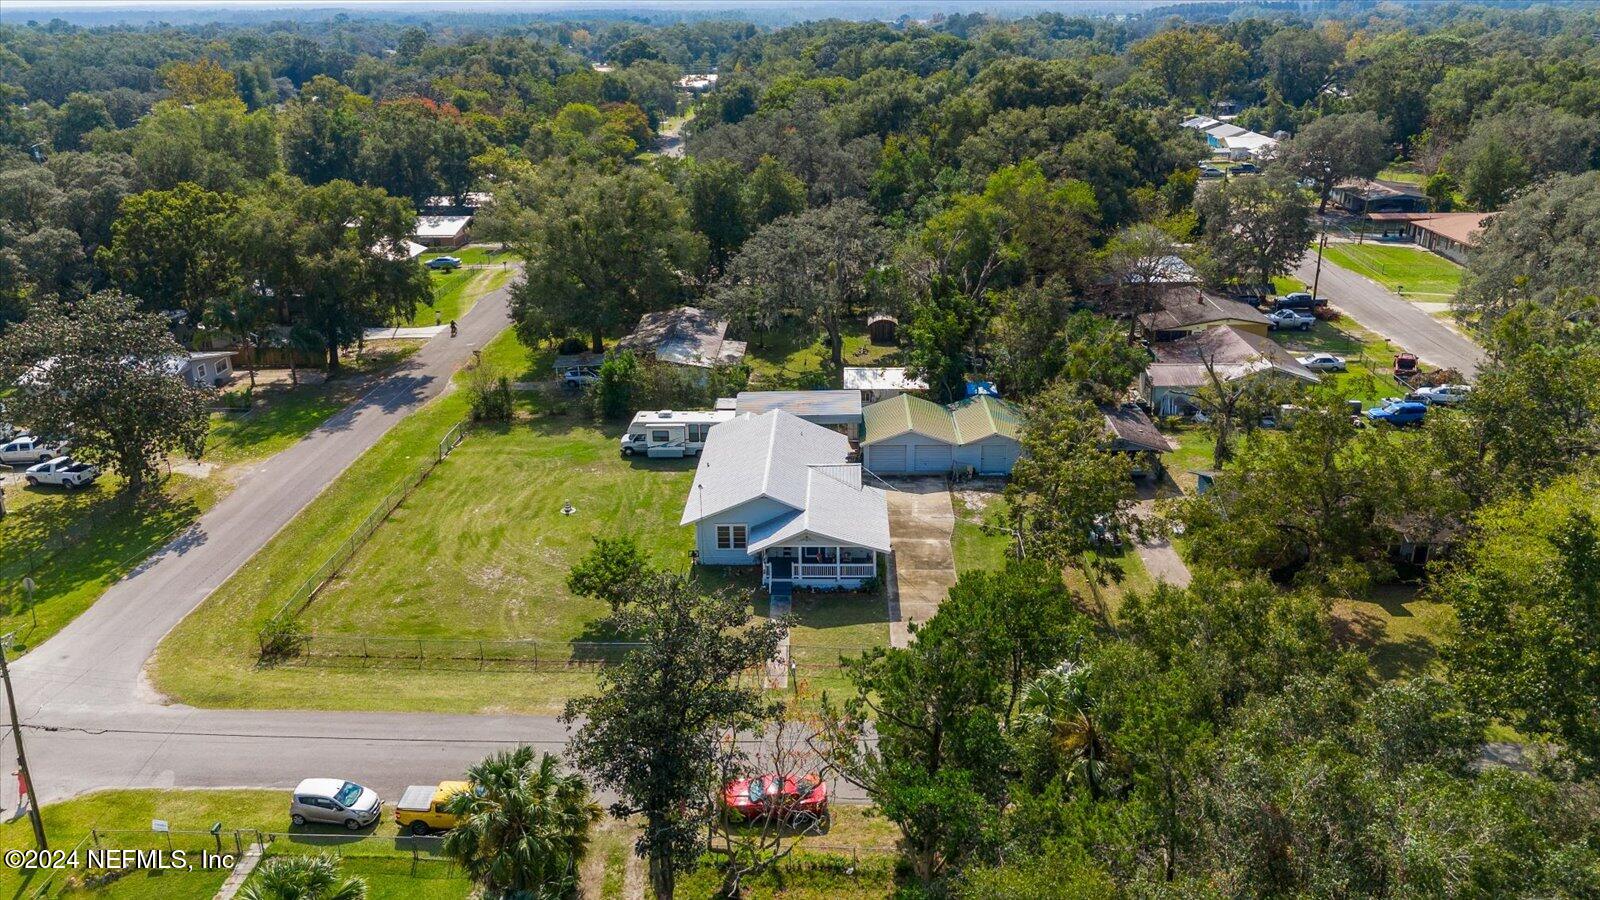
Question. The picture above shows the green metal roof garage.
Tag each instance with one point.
(907, 435)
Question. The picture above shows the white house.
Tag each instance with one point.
(443, 231)
(778, 491)
(203, 369)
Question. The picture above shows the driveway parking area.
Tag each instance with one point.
(921, 522)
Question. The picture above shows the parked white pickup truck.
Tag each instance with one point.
(62, 472)
(24, 450)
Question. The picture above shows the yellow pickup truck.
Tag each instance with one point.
(421, 807)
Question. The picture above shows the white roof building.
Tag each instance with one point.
(777, 490)
(437, 231)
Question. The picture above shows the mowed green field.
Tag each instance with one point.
(795, 356)
(1409, 271)
(479, 551)
(482, 549)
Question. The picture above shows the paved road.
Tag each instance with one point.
(1392, 317)
(115, 732)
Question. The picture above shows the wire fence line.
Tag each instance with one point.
(330, 568)
(333, 649)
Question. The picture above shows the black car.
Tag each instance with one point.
(1297, 300)
(1246, 169)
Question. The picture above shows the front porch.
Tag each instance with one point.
(785, 568)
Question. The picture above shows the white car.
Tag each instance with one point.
(26, 450)
(334, 801)
(1323, 362)
(1443, 395)
(62, 472)
(580, 376)
(1290, 319)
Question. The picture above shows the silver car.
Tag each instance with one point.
(334, 801)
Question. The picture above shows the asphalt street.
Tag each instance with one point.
(93, 722)
(1391, 316)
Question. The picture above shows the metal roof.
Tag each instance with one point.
(906, 414)
(814, 405)
(803, 466)
(686, 336)
(985, 416)
(969, 421)
(870, 378)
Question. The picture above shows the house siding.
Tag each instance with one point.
(995, 455)
(748, 514)
(899, 456)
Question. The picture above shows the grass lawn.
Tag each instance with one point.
(282, 413)
(475, 255)
(975, 548)
(124, 818)
(795, 356)
(1410, 272)
(455, 292)
(118, 535)
(1401, 632)
(1369, 358)
(479, 551)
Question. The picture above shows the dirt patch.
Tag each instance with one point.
(974, 499)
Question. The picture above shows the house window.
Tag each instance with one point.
(660, 437)
(697, 432)
(732, 537)
(202, 370)
(855, 556)
(819, 555)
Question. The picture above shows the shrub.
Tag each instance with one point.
(571, 345)
(490, 396)
(282, 638)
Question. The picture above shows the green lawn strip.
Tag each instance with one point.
(1408, 271)
(795, 355)
(115, 536)
(123, 818)
(1405, 173)
(475, 255)
(454, 293)
(972, 546)
(281, 416)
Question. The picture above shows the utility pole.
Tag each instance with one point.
(1322, 243)
(22, 757)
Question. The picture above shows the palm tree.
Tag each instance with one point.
(524, 826)
(303, 878)
(1059, 707)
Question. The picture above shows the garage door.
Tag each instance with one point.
(996, 459)
(932, 457)
(889, 459)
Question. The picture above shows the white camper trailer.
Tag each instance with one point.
(670, 433)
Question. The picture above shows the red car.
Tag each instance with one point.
(756, 798)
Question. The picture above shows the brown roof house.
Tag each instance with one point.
(686, 336)
(1132, 432)
(1182, 311)
(1450, 235)
(1179, 369)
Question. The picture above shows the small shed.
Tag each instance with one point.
(881, 328)
(212, 368)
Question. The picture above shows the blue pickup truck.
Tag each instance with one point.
(1403, 412)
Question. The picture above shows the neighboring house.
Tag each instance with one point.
(203, 369)
(470, 203)
(1179, 369)
(686, 336)
(1368, 195)
(1450, 235)
(881, 383)
(1239, 143)
(835, 410)
(1132, 432)
(443, 231)
(697, 83)
(779, 491)
(907, 435)
(398, 251)
(1182, 311)
(1199, 123)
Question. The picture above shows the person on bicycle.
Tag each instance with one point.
(452, 327)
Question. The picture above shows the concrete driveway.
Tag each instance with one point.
(1393, 317)
(921, 524)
